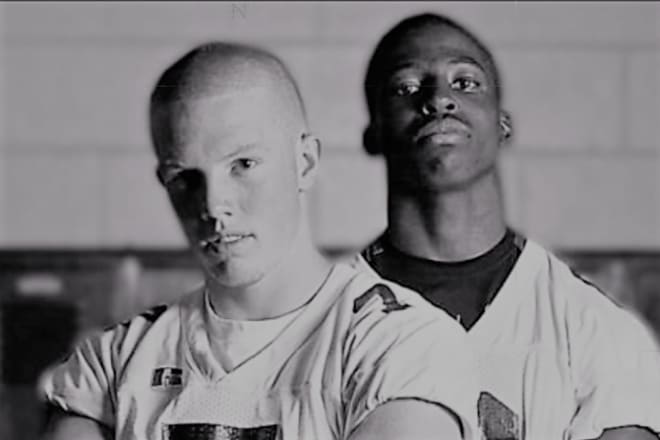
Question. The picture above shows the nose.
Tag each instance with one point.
(437, 101)
(220, 199)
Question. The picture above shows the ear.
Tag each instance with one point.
(159, 174)
(371, 140)
(308, 157)
(164, 170)
(506, 127)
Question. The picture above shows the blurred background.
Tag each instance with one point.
(87, 237)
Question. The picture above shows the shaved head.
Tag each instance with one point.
(236, 159)
(216, 69)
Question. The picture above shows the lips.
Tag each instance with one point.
(447, 127)
(232, 238)
(214, 242)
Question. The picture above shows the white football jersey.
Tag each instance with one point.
(359, 342)
(559, 360)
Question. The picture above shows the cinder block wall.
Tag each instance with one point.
(581, 79)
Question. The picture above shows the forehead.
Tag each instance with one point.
(434, 43)
(224, 108)
(224, 120)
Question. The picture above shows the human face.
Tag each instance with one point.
(232, 178)
(438, 112)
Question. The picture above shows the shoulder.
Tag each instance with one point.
(581, 295)
(387, 300)
(150, 319)
(610, 352)
(589, 313)
(371, 293)
(399, 346)
(384, 311)
(145, 331)
(553, 276)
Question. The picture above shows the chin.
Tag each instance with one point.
(449, 182)
(235, 281)
(231, 275)
(236, 277)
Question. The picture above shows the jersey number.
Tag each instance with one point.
(498, 421)
(387, 296)
(208, 431)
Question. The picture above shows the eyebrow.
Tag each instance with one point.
(464, 59)
(175, 165)
(461, 59)
(401, 66)
(242, 149)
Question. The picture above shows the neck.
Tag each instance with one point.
(295, 278)
(448, 226)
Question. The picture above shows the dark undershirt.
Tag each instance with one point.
(463, 288)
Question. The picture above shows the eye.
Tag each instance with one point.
(466, 84)
(243, 164)
(406, 88)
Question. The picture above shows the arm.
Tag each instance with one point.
(82, 389)
(409, 372)
(63, 426)
(616, 372)
(77, 392)
(408, 419)
(628, 433)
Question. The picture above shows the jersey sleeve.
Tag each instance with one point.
(83, 384)
(398, 350)
(616, 372)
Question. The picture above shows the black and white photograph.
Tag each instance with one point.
(314, 220)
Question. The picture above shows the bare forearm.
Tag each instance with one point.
(628, 433)
(409, 419)
(64, 426)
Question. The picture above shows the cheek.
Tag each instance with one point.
(483, 113)
(398, 108)
(271, 202)
(187, 211)
(397, 116)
